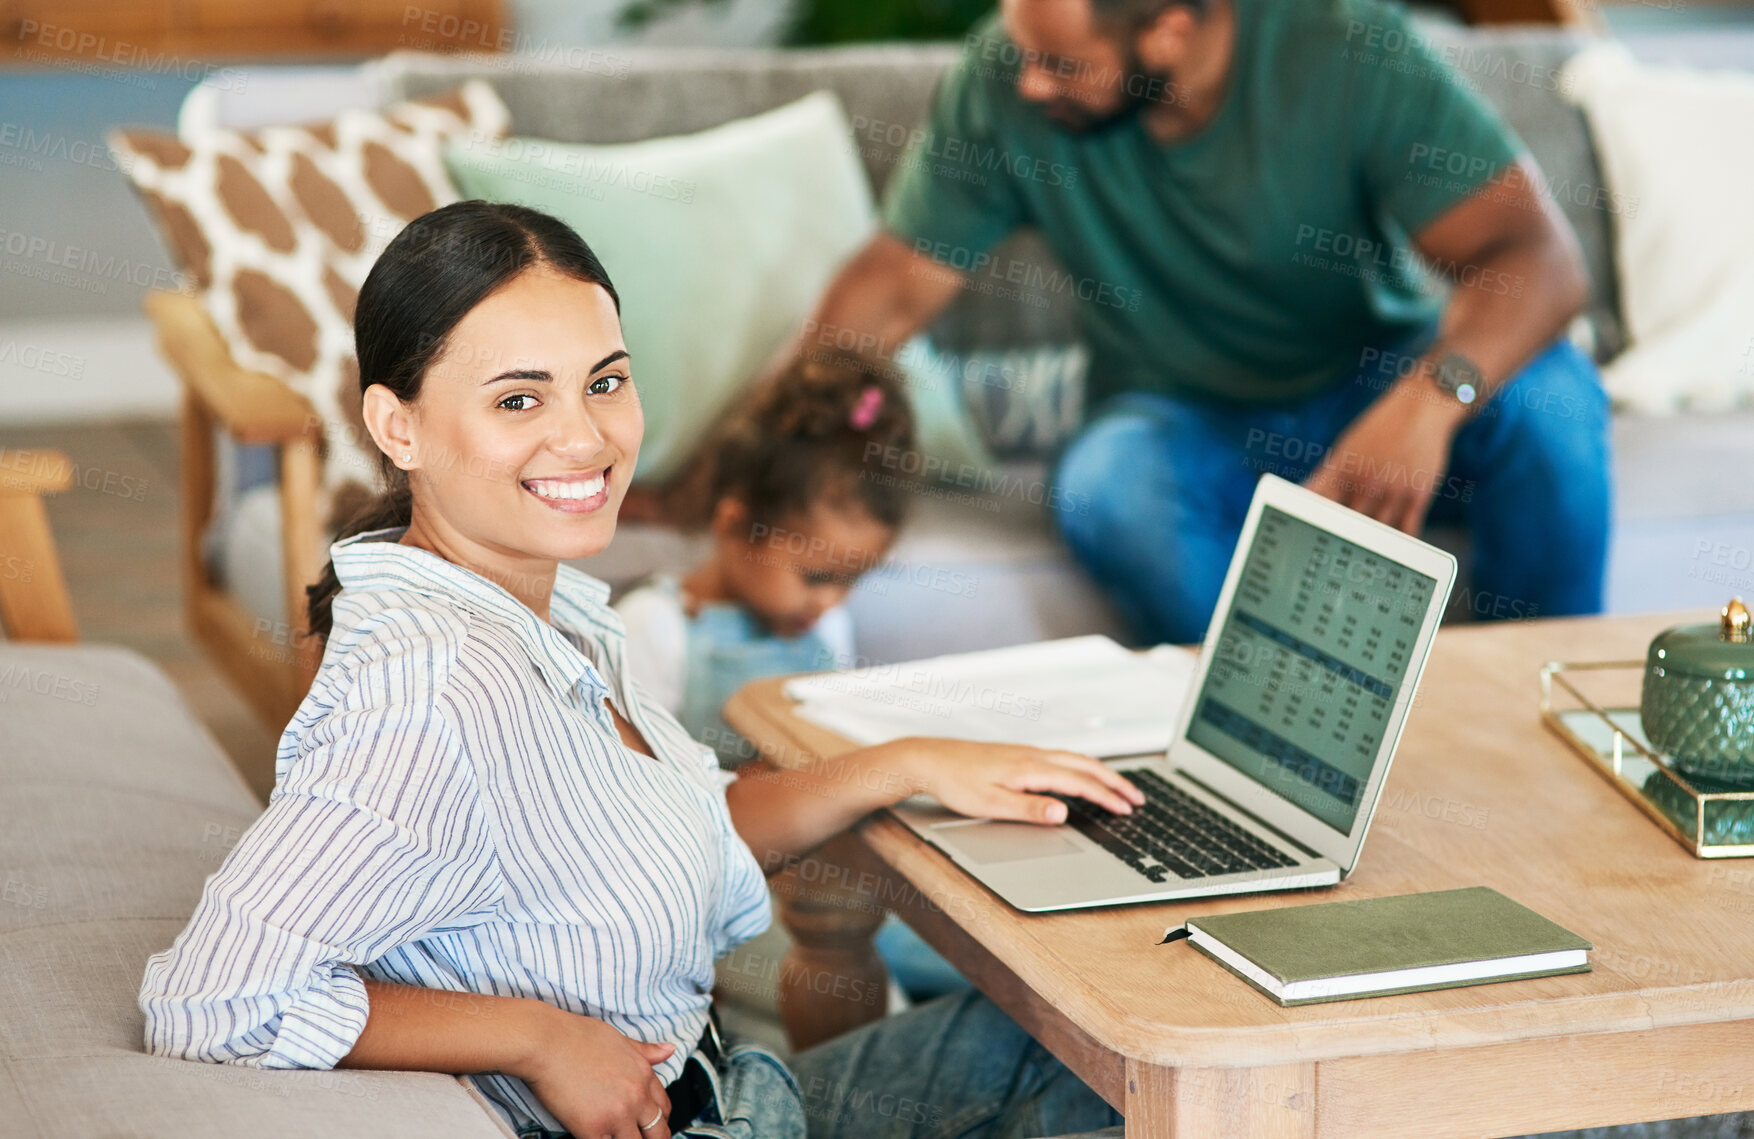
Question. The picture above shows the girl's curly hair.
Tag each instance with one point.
(827, 429)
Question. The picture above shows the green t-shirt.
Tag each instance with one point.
(1251, 261)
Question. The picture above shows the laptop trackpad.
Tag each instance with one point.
(1006, 842)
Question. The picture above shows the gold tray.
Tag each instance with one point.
(1708, 817)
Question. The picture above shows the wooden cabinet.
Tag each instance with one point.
(179, 35)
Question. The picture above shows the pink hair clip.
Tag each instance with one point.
(865, 411)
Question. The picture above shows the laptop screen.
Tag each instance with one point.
(1314, 649)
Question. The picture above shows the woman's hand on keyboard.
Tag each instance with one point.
(1011, 781)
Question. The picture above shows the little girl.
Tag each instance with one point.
(795, 520)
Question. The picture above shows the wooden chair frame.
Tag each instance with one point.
(34, 603)
(271, 664)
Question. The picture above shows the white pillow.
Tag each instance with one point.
(719, 244)
(1677, 146)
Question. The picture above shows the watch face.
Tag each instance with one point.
(1458, 375)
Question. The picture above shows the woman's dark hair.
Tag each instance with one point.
(833, 427)
(425, 282)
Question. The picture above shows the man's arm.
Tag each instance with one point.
(1518, 273)
(1519, 279)
(879, 299)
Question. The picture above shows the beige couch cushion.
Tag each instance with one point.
(117, 804)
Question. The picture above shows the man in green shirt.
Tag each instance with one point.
(1298, 244)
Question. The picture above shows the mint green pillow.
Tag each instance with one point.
(719, 244)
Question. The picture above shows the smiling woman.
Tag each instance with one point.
(476, 797)
(533, 424)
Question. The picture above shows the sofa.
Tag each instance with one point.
(1015, 582)
(117, 805)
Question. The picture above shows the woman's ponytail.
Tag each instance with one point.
(393, 508)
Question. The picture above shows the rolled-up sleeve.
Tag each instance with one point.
(1426, 140)
(940, 197)
(374, 839)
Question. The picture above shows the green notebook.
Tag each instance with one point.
(1373, 947)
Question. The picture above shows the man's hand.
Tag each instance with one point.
(1391, 460)
(1519, 278)
(597, 1082)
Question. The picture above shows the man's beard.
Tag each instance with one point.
(1135, 95)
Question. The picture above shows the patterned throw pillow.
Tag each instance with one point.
(278, 227)
(1021, 403)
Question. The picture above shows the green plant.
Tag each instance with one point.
(639, 13)
(847, 21)
(843, 21)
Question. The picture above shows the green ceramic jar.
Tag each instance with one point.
(1698, 701)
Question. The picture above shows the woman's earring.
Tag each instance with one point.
(409, 457)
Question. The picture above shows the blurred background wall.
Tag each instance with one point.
(60, 193)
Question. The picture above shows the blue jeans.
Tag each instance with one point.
(920, 970)
(954, 1068)
(755, 1097)
(1154, 490)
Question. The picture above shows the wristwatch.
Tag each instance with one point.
(1457, 375)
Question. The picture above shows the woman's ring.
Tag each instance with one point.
(654, 1122)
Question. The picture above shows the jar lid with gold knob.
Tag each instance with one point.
(1722, 651)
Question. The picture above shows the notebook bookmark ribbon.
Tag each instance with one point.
(1174, 933)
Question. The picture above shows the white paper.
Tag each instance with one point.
(1085, 694)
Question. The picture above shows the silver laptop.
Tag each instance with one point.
(1305, 679)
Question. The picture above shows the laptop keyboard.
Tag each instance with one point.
(1173, 833)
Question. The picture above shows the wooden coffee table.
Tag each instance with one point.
(1480, 794)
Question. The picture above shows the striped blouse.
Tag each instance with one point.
(454, 808)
